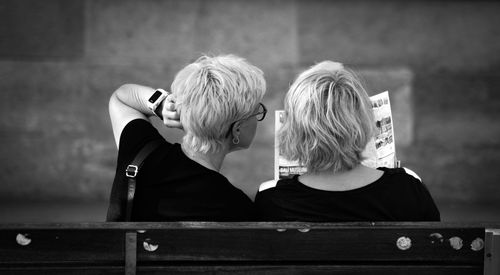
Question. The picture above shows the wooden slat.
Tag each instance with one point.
(44, 270)
(317, 245)
(255, 269)
(239, 225)
(63, 246)
(320, 269)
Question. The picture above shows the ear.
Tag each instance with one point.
(235, 131)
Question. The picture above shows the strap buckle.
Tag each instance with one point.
(131, 171)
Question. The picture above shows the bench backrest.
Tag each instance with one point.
(271, 248)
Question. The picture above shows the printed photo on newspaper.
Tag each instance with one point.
(379, 152)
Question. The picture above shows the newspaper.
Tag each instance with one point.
(379, 152)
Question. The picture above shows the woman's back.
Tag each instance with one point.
(395, 196)
(327, 125)
(172, 187)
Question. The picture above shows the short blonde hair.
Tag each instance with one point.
(212, 93)
(328, 119)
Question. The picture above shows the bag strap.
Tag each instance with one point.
(132, 171)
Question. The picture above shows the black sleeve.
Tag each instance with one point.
(430, 210)
(134, 136)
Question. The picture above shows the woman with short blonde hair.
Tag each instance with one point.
(217, 101)
(327, 125)
(211, 93)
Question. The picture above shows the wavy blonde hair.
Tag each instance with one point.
(213, 92)
(328, 119)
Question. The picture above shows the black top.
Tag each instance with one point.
(395, 196)
(172, 187)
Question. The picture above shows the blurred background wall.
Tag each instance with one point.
(61, 60)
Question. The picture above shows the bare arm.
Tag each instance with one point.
(126, 104)
(129, 102)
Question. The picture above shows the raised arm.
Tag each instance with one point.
(126, 104)
(129, 102)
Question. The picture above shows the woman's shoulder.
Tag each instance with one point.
(402, 179)
(401, 173)
(136, 134)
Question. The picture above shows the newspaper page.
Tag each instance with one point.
(379, 152)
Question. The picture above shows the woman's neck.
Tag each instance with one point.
(212, 161)
(357, 177)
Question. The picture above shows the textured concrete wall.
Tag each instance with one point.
(61, 60)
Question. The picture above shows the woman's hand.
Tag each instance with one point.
(171, 117)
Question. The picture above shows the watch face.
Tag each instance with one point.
(154, 97)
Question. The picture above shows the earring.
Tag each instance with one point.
(236, 140)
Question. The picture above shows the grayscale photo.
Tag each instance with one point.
(249, 137)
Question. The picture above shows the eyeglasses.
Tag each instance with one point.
(260, 115)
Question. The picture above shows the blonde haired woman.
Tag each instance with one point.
(328, 123)
(218, 100)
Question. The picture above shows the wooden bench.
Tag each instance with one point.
(248, 248)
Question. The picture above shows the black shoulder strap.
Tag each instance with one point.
(132, 171)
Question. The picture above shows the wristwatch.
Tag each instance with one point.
(155, 100)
